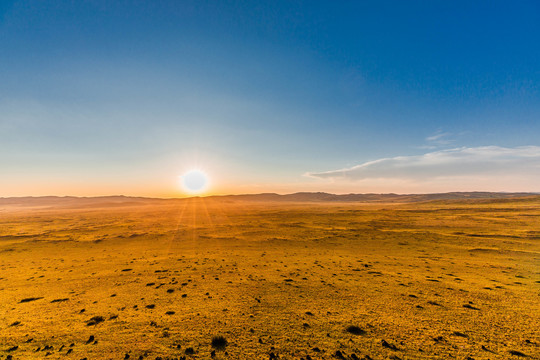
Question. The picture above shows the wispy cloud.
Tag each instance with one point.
(467, 164)
(439, 137)
(437, 140)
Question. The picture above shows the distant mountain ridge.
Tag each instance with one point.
(121, 200)
(372, 197)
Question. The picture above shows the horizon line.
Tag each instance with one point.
(271, 193)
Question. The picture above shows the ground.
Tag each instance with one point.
(434, 280)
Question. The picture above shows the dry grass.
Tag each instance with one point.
(320, 281)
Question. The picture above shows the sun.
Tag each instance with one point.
(194, 181)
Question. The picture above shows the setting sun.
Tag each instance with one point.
(194, 181)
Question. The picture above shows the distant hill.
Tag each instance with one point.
(326, 197)
(120, 200)
(74, 201)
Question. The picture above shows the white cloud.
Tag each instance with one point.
(438, 136)
(439, 139)
(484, 167)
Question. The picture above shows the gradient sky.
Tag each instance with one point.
(122, 97)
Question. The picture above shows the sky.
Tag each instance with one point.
(124, 97)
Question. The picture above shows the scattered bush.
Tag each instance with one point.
(355, 330)
(219, 342)
(95, 320)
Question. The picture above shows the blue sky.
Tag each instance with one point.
(99, 98)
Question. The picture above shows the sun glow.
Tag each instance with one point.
(194, 181)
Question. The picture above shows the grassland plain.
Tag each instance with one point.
(434, 280)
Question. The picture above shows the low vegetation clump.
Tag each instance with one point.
(95, 320)
(30, 299)
(219, 342)
(355, 330)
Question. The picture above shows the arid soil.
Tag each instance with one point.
(434, 280)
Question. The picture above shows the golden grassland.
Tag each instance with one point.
(435, 280)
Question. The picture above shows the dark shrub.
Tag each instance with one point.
(95, 320)
(219, 342)
(355, 330)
